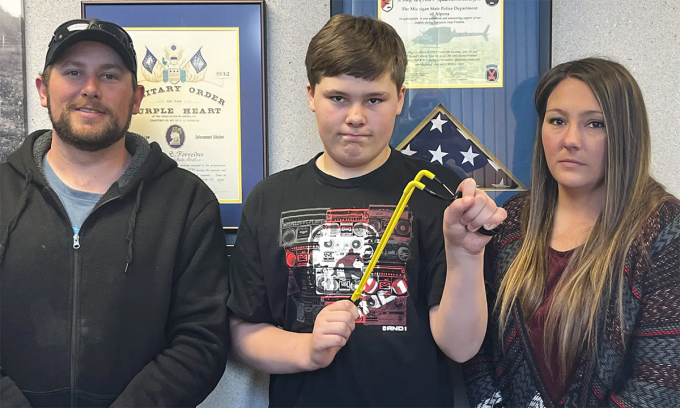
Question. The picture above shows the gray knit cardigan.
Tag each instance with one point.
(643, 370)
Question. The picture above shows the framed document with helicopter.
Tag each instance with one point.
(449, 43)
(473, 68)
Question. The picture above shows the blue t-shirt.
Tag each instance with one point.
(78, 204)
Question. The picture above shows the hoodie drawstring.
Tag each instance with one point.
(130, 236)
(13, 222)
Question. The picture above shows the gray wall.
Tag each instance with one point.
(643, 39)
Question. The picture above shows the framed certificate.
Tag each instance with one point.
(202, 65)
(473, 68)
(449, 43)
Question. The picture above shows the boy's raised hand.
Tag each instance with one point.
(466, 215)
(332, 328)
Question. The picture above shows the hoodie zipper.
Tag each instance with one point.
(76, 292)
(74, 313)
(75, 287)
(74, 297)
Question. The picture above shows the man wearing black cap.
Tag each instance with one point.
(112, 260)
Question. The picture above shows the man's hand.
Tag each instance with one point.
(332, 329)
(466, 215)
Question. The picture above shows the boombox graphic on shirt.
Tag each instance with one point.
(327, 252)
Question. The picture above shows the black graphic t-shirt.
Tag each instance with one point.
(304, 241)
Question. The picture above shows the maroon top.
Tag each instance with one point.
(557, 261)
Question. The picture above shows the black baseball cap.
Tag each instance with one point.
(92, 29)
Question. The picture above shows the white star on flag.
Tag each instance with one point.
(501, 184)
(407, 151)
(494, 165)
(438, 155)
(437, 123)
(469, 157)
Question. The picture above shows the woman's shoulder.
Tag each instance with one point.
(653, 258)
(663, 226)
(654, 250)
(669, 210)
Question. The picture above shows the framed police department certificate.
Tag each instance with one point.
(204, 101)
(449, 43)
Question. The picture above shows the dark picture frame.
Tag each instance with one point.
(249, 17)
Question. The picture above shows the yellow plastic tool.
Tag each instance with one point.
(412, 185)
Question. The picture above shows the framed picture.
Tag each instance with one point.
(470, 82)
(202, 64)
(12, 77)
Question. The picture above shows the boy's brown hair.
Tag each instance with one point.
(360, 47)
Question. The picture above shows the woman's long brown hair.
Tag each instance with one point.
(595, 269)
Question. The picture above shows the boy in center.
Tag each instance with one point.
(308, 233)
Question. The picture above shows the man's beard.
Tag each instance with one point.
(89, 141)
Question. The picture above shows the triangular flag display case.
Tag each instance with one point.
(441, 138)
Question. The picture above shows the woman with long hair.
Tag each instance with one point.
(583, 282)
